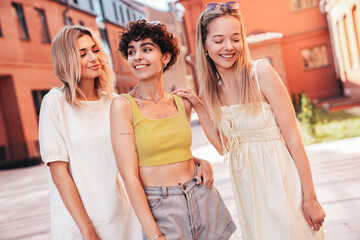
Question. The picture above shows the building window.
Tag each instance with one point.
(315, 57)
(346, 31)
(76, 2)
(45, 37)
(116, 14)
(21, 23)
(81, 23)
(128, 14)
(105, 42)
(121, 14)
(297, 5)
(341, 44)
(69, 21)
(38, 95)
(356, 22)
(91, 4)
(0, 31)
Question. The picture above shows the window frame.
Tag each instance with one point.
(311, 48)
(301, 8)
(45, 35)
(21, 21)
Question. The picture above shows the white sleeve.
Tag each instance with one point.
(52, 143)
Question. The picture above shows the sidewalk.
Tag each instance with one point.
(24, 202)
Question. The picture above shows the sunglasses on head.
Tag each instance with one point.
(217, 6)
(154, 23)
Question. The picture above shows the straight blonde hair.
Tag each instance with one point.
(66, 60)
(207, 72)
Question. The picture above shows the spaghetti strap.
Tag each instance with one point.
(134, 107)
(254, 74)
(179, 104)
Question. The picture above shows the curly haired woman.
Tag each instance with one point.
(151, 139)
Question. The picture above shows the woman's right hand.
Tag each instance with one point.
(161, 238)
(189, 94)
(89, 232)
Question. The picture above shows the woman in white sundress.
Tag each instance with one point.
(249, 115)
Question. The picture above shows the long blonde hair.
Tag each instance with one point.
(207, 72)
(66, 60)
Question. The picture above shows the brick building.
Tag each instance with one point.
(26, 72)
(292, 35)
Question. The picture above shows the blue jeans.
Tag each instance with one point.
(190, 211)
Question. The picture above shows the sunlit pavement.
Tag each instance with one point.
(24, 203)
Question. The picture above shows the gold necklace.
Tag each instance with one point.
(155, 100)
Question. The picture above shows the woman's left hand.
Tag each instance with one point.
(206, 173)
(314, 213)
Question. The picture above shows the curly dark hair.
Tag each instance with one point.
(141, 29)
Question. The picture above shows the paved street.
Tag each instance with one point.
(24, 204)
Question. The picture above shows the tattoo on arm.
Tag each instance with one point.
(125, 133)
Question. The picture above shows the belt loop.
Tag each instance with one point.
(196, 177)
(164, 192)
(196, 168)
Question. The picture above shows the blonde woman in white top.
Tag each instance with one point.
(252, 119)
(87, 198)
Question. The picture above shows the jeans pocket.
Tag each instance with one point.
(207, 187)
(154, 202)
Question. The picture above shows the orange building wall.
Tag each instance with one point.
(271, 50)
(317, 83)
(301, 29)
(26, 66)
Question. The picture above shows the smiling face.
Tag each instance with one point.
(223, 42)
(145, 59)
(91, 66)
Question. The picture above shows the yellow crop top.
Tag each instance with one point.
(161, 141)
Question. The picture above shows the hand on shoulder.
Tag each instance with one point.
(189, 95)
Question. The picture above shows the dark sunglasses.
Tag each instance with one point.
(217, 6)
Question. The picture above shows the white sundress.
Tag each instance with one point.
(265, 181)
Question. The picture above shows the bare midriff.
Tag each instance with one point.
(167, 175)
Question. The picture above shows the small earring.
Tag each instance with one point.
(207, 53)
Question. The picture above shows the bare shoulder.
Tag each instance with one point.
(120, 101)
(264, 70)
(120, 105)
(267, 76)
